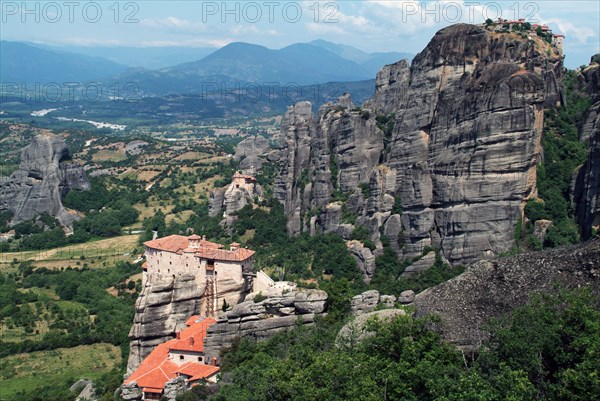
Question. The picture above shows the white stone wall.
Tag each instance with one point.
(181, 357)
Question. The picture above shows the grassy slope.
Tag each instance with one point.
(65, 365)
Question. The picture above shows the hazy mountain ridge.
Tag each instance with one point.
(24, 63)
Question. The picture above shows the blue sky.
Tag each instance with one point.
(374, 25)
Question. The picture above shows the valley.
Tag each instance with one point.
(432, 233)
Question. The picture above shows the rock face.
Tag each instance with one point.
(248, 153)
(490, 288)
(45, 174)
(160, 311)
(443, 155)
(264, 319)
(587, 193)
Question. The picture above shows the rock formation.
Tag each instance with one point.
(45, 174)
(259, 320)
(356, 330)
(248, 153)
(160, 311)
(493, 287)
(443, 155)
(587, 191)
(242, 191)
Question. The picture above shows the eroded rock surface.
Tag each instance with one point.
(160, 311)
(587, 191)
(493, 287)
(454, 168)
(260, 320)
(46, 173)
(249, 153)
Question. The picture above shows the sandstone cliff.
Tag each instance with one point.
(443, 155)
(490, 288)
(248, 153)
(587, 191)
(45, 174)
(160, 311)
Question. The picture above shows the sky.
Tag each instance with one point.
(370, 25)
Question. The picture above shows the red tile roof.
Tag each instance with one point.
(157, 369)
(192, 338)
(207, 249)
(197, 371)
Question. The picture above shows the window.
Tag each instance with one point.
(181, 357)
(199, 359)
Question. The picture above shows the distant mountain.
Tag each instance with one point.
(150, 58)
(371, 62)
(303, 64)
(24, 63)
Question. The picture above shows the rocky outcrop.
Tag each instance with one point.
(587, 187)
(260, 320)
(160, 311)
(175, 387)
(241, 192)
(444, 154)
(364, 303)
(364, 259)
(130, 392)
(356, 330)
(491, 288)
(249, 154)
(46, 173)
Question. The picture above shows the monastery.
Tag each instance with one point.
(223, 277)
(217, 270)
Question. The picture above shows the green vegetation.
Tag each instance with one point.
(49, 374)
(547, 350)
(387, 274)
(54, 311)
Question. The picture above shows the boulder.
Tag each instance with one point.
(356, 330)
(364, 303)
(406, 297)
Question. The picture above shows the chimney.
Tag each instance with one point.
(214, 361)
(192, 341)
(194, 241)
(178, 336)
(204, 238)
(234, 246)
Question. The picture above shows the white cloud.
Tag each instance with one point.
(174, 24)
(186, 43)
(252, 29)
(579, 33)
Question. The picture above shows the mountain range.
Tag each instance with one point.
(237, 63)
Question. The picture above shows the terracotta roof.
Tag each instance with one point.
(192, 320)
(207, 249)
(238, 255)
(172, 243)
(192, 338)
(157, 368)
(197, 371)
(195, 237)
(145, 265)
